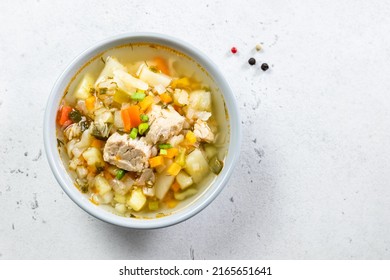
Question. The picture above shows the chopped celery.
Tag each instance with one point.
(144, 118)
(138, 96)
(142, 128)
(121, 96)
(120, 174)
(153, 205)
(181, 158)
(165, 146)
(134, 133)
(216, 165)
(163, 152)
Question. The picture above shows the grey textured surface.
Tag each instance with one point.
(313, 179)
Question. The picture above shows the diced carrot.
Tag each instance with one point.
(145, 104)
(168, 196)
(171, 153)
(174, 169)
(108, 175)
(175, 186)
(92, 169)
(126, 119)
(172, 203)
(90, 103)
(134, 115)
(64, 114)
(97, 143)
(156, 161)
(162, 65)
(166, 98)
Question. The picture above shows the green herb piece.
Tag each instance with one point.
(153, 205)
(138, 96)
(133, 133)
(215, 165)
(103, 90)
(120, 173)
(99, 169)
(75, 116)
(165, 146)
(144, 118)
(142, 128)
(59, 143)
(163, 152)
(153, 69)
(84, 125)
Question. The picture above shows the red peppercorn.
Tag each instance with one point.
(234, 50)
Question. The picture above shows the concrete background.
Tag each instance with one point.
(313, 178)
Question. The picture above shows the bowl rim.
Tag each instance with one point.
(55, 162)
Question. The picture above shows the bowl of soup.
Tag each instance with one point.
(142, 130)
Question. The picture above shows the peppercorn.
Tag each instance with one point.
(234, 50)
(252, 61)
(264, 66)
(258, 47)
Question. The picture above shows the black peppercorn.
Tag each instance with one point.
(252, 61)
(264, 66)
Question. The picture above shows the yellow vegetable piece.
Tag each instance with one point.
(172, 203)
(190, 137)
(145, 104)
(174, 169)
(156, 161)
(90, 103)
(171, 153)
(121, 96)
(166, 98)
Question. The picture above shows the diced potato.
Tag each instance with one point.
(101, 184)
(81, 171)
(120, 198)
(83, 89)
(180, 97)
(184, 180)
(137, 200)
(93, 156)
(85, 141)
(200, 100)
(196, 165)
(149, 191)
(104, 117)
(111, 65)
(183, 195)
(73, 163)
(107, 197)
(129, 81)
(152, 78)
(121, 208)
(163, 184)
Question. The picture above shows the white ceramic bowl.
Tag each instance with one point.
(65, 180)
